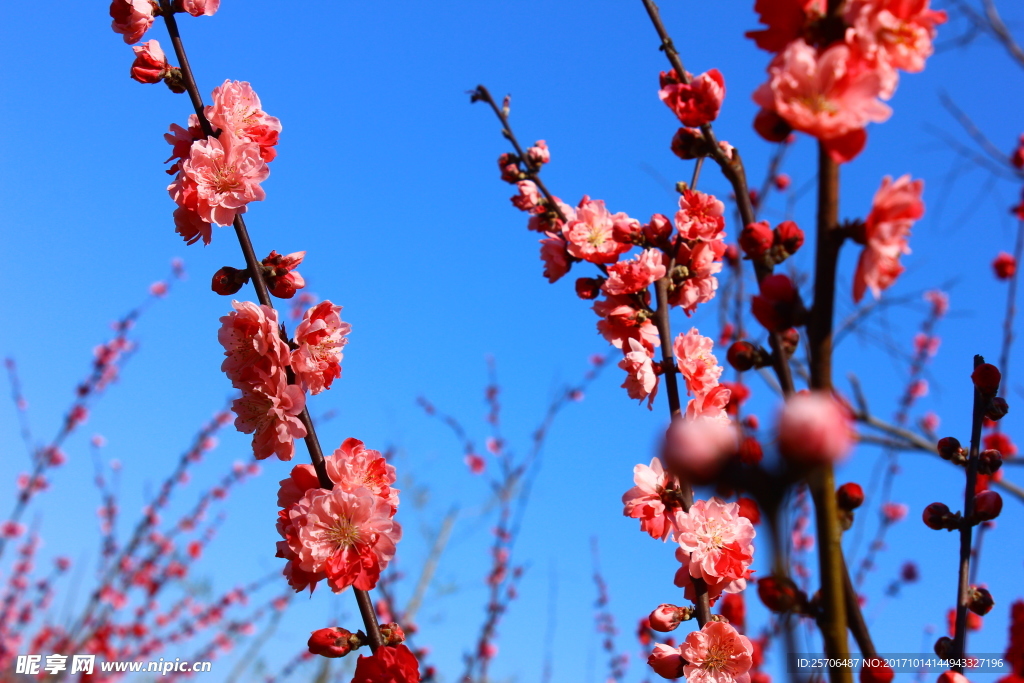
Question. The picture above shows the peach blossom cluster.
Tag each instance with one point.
(217, 177)
(345, 535)
(256, 362)
(717, 653)
(701, 372)
(828, 79)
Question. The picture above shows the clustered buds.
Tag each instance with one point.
(760, 243)
(278, 272)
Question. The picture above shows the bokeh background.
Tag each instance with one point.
(386, 176)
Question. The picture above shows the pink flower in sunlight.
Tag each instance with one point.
(648, 500)
(698, 366)
(620, 321)
(354, 466)
(291, 490)
(702, 260)
(831, 96)
(718, 538)
(237, 110)
(590, 233)
(895, 208)
(227, 173)
(700, 216)
(626, 277)
(556, 258)
(320, 338)
(348, 535)
(696, 103)
(150, 64)
(896, 34)
(132, 18)
(641, 381)
(255, 353)
(814, 429)
(270, 413)
(198, 8)
(717, 654)
(710, 406)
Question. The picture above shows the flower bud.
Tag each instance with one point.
(997, 408)
(789, 340)
(850, 496)
(229, 280)
(668, 617)
(744, 356)
(658, 230)
(332, 642)
(987, 505)
(392, 633)
(781, 182)
(938, 516)
(756, 239)
(750, 451)
(150, 64)
(986, 379)
(989, 461)
(771, 126)
(789, 237)
(666, 661)
(689, 143)
(778, 304)
(509, 165)
(944, 647)
(1004, 265)
(588, 287)
(539, 154)
(950, 449)
(979, 600)
(780, 594)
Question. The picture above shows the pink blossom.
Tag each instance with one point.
(354, 466)
(132, 18)
(270, 413)
(830, 96)
(698, 366)
(528, 198)
(895, 208)
(620, 321)
(539, 153)
(227, 173)
(710, 406)
(200, 7)
(348, 535)
(717, 654)
(557, 260)
(696, 103)
(702, 260)
(641, 381)
(647, 500)
(590, 233)
(291, 490)
(718, 538)
(626, 277)
(320, 338)
(475, 463)
(814, 429)
(11, 529)
(894, 512)
(150, 63)
(897, 34)
(280, 275)
(255, 353)
(700, 216)
(237, 110)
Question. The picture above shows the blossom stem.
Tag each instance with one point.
(263, 295)
(822, 481)
(733, 170)
(963, 583)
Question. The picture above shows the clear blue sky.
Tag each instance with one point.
(386, 176)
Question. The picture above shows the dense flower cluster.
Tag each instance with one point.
(828, 78)
(256, 362)
(345, 535)
(218, 177)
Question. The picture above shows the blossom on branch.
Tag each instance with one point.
(896, 206)
(131, 18)
(236, 110)
(696, 103)
(150, 63)
(320, 338)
